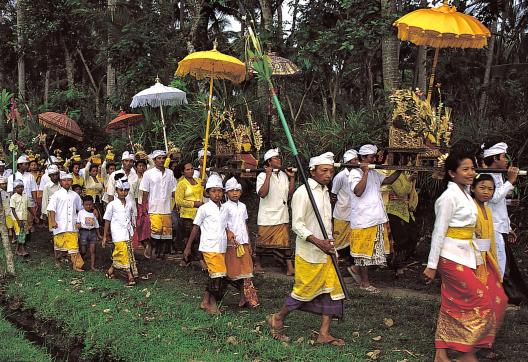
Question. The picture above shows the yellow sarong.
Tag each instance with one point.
(161, 226)
(120, 255)
(314, 279)
(216, 266)
(341, 234)
(362, 241)
(9, 222)
(69, 241)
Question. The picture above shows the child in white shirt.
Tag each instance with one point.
(238, 255)
(120, 221)
(19, 204)
(88, 230)
(4, 195)
(211, 222)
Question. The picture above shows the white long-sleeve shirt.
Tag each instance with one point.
(47, 192)
(160, 186)
(65, 204)
(30, 185)
(454, 208)
(341, 189)
(497, 204)
(368, 209)
(304, 222)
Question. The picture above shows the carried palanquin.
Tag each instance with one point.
(237, 143)
(418, 132)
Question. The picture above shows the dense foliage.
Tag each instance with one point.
(88, 57)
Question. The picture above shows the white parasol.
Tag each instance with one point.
(159, 95)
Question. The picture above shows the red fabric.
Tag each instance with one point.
(142, 226)
(471, 311)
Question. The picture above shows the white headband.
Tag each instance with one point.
(324, 159)
(232, 184)
(368, 150)
(496, 149)
(349, 155)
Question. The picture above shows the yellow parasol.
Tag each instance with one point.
(441, 27)
(213, 65)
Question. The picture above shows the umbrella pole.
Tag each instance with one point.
(431, 80)
(300, 167)
(164, 130)
(208, 123)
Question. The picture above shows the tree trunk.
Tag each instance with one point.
(21, 66)
(487, 72)
(46, 86)
(370, 82)
(94, 85)
(69, 65)
(294, 18)
(279, 15)
(110, 70)
(420, 70)
(182, 14)
(267, 14)
(390, 50)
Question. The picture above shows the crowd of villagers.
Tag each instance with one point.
(155, 206)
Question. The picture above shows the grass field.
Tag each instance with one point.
(15, 348)
(159, 319)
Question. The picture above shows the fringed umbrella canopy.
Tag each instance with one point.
(124, 121)
(157, 95)
(281, 67)
(61, 124)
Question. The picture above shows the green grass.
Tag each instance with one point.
(14, 347)
(159, 320)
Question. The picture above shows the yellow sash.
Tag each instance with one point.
(462, 233)
(484, 230)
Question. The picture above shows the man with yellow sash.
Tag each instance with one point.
(369, 241)
(316, 288)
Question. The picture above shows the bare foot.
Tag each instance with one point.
(78, 270)
(441, 356)
(276, 328)
(328, 339)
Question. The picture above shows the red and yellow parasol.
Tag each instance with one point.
(211, 64)
(441, 27)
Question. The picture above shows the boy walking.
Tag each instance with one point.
(88, 230)
(62, 214)
(19, 204)
(120, 222)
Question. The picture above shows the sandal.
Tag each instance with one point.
(371, 289)
(276, 332)
(354, 275)
(131, 282)
(109, 276)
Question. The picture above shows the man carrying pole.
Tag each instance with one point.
(317, 288)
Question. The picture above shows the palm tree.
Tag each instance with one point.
(390, 50)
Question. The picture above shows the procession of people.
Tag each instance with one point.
(86, 203)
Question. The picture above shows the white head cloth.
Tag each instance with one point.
(66, 176)
(274, 152)
(17, 183)
(3, 180)
(201, 153)
(127, 156)
(122, 184)
(214, 181)
(349, 155)
(157, 153)
(2, 163)
(232, 184)
(368, 150)
(324, 159)
(23, 159)
(53, 160)
(496, 149)
(52, 169)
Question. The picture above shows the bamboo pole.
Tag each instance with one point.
(207, 126)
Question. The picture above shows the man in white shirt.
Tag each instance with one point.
(198, 171)
(126, 172)
(62, 213)
(368, 238)
(495, 158)
(5, 172)
(158, 186)
(45, 177)
(341, 198)
(50, 188)
(316, 289)
(274, 189)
